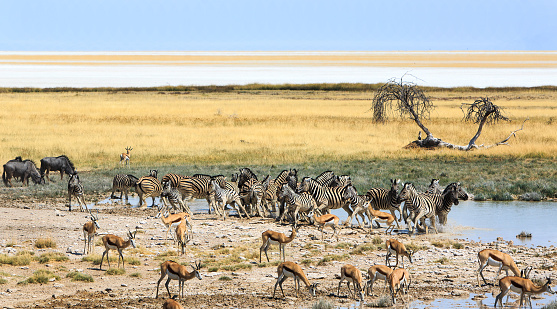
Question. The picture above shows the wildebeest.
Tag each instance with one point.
(60, 163)
(23, 169)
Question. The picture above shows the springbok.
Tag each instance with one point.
(523, 286)
(125, 157)
(89, 231)
(175, 271)
(275, 238)
(351, 274)
(287, 270)
(117, 243)
(394, 246)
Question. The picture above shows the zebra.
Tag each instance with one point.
(344, 180)
(122, 183)
(303, 202)
(434, 187)
(358, 205)
(174, 198)
(197, 187)
(251, 190)
(383, 199)
(174, 179)
(227, 197)
(326, 197)
(424, 206)
(148, 186)
(75, 188)
(452, 193)
(325, 178)
(271, 196)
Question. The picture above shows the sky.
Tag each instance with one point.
(269, 25)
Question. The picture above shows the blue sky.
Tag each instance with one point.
(266, 25)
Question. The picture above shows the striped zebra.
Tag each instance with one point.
(383, 199)
(174, 179)
(197, 187)
(434, 187)
(358, 205)
(75, 188)
(251, 191)
(271, 196)
(452, 193)
(344, 180)
(148, 186)
(327, 198)
(171, 195)
(325, 178)
(122, 183)
(225, 197)
(303, 202)
(423, 206)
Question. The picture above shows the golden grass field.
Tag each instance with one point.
(255, 127)
(477, 59)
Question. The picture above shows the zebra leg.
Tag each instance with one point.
(396, 218)
(238, 202)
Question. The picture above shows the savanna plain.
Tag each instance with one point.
(216, 130)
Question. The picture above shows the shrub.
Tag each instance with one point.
(41, 276)
(115, 271)
(136, 275)
(42, 243)
(361, 249)
(77, 276)
(551, 305)
(3, 281)
(502, 196)
(531, 196)
(333, 257)
(377, 240)
(443, 260)
(55, 256)
(225, 278)
(18, 260)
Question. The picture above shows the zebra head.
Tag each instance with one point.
(452, 193)
(407, 192)
(286, 190)
(349, 193)
(304, 185)
(394, 185)
(153, 173)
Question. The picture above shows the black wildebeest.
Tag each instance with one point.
(23, 169)
(60, 163)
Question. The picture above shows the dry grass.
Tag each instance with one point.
(252, 127)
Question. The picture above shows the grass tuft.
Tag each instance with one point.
(322, 304)
(42, 243)
(78, 276)
(115, 271)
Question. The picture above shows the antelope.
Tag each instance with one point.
(326, 220)
(173, 220)
(523, 286)
(394, 246)
(377, 272)
(275, 238)
(117, 243)
(351, 274)
(381, 216)
(182, 235)
(398, 279)
(178, 272)
(171, 304)
(125, 157)
(499, 259)
(89, 231)
(287, 270)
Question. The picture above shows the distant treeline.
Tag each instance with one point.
(356, 87)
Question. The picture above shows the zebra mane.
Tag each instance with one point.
(133, 177)
(201, 176)
(69, 161)
(247, 172)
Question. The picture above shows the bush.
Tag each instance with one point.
(115, 271)
(18, 260)
(225, 278)
(41, 276)
(502, 196)
(55, 256)
(77, 276)
(382, 302)
(136, 275)
(3, 281)
(42, 243)
(531, 196)
(551, 305)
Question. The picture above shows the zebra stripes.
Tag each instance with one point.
(75, 188)
(303, 202)
(122, 183)
(251, 191)
(196, 187)
(225, 197)
(383, 199)
(357, 204)
(326, 197)
(423, 206)
(148, 186)
(434, 187)
(172, 195)
(452, 193)
(173, 179)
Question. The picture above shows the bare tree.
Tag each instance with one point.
(409, 101)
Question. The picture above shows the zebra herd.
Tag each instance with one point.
(286, 197)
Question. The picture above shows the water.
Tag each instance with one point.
(486, 221)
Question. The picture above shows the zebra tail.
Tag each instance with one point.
(4, 178)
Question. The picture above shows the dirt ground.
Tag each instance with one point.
(439, 269)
